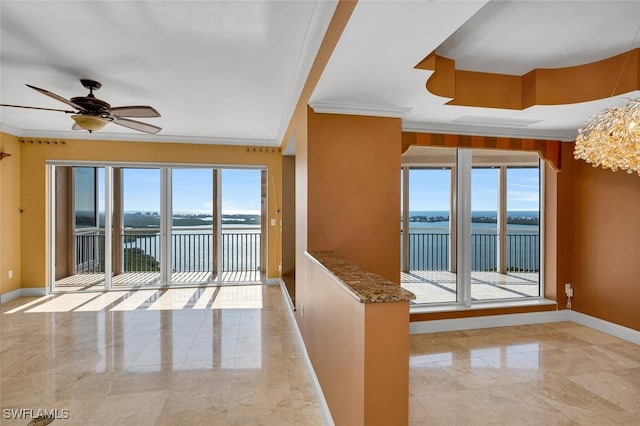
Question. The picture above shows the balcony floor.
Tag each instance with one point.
(95, 281)
(440, 286)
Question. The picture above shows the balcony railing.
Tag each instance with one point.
(191, 251)
(89, 251)
(431, 252)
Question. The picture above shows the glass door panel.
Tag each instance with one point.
(241, 230)
(193, 219)
(523, 229)
(484, 232)
(140, 233)
(429, 269)
(79, 252)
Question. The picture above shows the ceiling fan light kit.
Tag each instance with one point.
(91, 123)
(92, 114)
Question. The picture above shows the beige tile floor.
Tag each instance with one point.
(228, 356)
(551, 374)
(196, 356)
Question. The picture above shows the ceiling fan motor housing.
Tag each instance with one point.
(92, 105)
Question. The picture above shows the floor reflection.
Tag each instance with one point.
(170, 356)
(556, 373)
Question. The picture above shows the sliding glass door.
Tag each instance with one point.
(78, 252)
(485, 244)
(193, 226)
(122, 226)
(429, 232)
(242, 225)
(140, 248)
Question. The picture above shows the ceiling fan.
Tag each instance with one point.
(91, 113)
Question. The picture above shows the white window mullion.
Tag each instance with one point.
(453, 229)
(501, 248)
(108, 227)
(541, 224)
(405, 220)
(165, 226)
(463, 225)
(218, 236)
(51, 175)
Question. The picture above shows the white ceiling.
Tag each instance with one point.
(231, 72)
(218, 72)
(372, 69)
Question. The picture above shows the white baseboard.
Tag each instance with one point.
(488, 321)
(9, 296)
(285, 294)
(611, 328)
(33, 291)
(22, 292)
(436, 326)
(315, 384)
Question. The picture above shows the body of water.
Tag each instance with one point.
(430, 240)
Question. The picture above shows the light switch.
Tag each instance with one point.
(273, 222)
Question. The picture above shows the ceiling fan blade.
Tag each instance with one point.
(140, 111)
(44, 109)
(137, 125)
(56, 97)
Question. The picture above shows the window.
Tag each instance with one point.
(154, 225)
(471, 225)
(84, 196)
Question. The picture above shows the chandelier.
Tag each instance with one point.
(611, 139)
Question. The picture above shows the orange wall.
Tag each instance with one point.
(605, 266)
(9, 214)
(359, 352)
(333, 325)
(558, 226)
(386, 367)
(354, 189)
(34, 185)
(288, 215)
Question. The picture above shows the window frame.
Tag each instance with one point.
(461, 213)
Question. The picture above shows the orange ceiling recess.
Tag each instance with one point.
(542, 86)
(549, 150)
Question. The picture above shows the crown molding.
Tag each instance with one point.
(14, 131)
(121, 137)
(319, 22)
(420, 127)
(359, 109)
(564, 135)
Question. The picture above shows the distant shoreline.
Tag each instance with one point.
(511, 220)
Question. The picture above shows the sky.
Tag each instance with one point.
(430, 189)
(192, 190)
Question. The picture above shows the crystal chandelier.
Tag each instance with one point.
(611, 139)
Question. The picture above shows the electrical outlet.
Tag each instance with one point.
(570, 292)
(567, 287)
(10, 274)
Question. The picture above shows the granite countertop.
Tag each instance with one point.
(363, 284)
